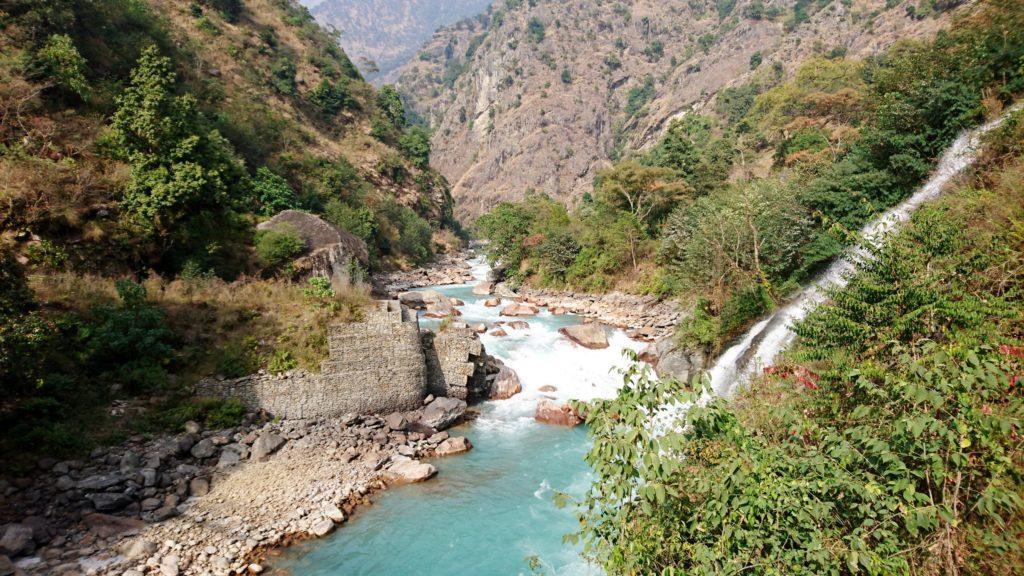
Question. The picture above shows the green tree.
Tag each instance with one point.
(178, 166)
(646, 192)
(332, 97)
(61, 62)
(415, 144)
(271, 192)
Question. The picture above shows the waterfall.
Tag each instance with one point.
(758, 347)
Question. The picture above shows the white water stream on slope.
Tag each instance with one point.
(759, 346)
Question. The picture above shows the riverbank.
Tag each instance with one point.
(643, 317)
(212, 501)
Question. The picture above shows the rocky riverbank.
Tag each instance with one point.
(213, 501)
(452, 269)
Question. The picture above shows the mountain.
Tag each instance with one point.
(383, 34)
(541, 94)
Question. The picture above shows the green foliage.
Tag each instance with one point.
(282, 76)
(271, 192)
(390, 118)
(566, 76)
(639, 96)
(332, 97)
(357, 220)
(129, 344)
(647, 192)
(178, 167)
(278, 246)
(696, 156)
(230, 10)
(900, 449)
(319, 289)
(61, 62)
(415, 144)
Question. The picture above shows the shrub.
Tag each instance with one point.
(61, 62)
(271, 192)
(415, 144)
(275, 247)
(332, 97)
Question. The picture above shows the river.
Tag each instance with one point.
(490, 510)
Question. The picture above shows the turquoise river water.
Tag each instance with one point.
(490, 510)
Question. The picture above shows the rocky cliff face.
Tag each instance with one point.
(382, 34)
(542, 94)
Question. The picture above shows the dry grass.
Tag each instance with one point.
(228, 328)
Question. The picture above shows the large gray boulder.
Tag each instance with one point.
(316, 232)
(265, 445)
(443, 412)
(670, 360)
(409, 471)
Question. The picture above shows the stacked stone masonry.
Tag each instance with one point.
(377, 366)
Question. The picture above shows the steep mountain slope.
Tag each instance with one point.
(383, 34)
(542, 94)
(292, 123)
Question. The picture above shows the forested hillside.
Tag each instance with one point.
(541, 95)
(140, 144)
(842, 139)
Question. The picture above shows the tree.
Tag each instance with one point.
(271, 192)
(647, 192)
(415, 143)
(178, 168)
(389, 104)
(332, 97)
(61, 62)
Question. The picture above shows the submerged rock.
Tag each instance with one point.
(587, 335)
(484, 289)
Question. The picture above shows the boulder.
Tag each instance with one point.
(441, 309)
(492, 302)
(670, 360)
(17, 540)
(205, 448)
(199, 487)
(232, 454)
(105, 525)
(550, 412)
(6, 566)
(499, 333)
(317, 233)
(479, 328)
(443, 412)
(409, 471)
(519, 325)
(453, 445)
(506, 384)
(334, 513)
(265, 445)
(587, 335)
(396, 421)
(138, 549)
(322, 528)
(520, 309)
(109, 502)
(547, 388)
(100, 481)
(484, 289)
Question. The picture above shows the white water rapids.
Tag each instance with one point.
(759, 346)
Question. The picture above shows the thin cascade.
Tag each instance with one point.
(759, 346)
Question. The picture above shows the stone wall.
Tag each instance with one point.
(455, 363)
(375, 367)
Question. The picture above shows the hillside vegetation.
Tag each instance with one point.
(844, 139)
(140, 144)
(887, 442)
(542, 94)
